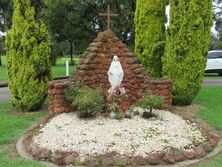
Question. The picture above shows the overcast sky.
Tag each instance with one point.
(1, 34)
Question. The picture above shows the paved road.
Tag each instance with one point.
(212, 81)
(5, 94)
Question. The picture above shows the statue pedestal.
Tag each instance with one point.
(121, 100)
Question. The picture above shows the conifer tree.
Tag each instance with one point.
(187, 47)
(150, 19)
(28, 51)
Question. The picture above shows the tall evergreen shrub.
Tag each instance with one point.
(150, 19)
(187, 47)
(28, 51)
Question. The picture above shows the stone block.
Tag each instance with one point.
(169, 158)
(134, 66)
(58, 86)
(139, 161)
(179, 156)
(189, 154)
(125, 106)
(213, 142)
(199, 152)
(207, 147)
(154, 159)
(108, 162)
(214, 135)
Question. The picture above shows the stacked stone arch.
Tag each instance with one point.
(93, 67)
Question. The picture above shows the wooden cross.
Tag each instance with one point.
(108, 14)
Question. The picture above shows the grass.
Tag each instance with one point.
(7, 161)
(3, 73)
(12, 126)
(57, 71)
(211, 98)
(10, 130)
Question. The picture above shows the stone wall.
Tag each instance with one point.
(96, 62)
(93, 69)
(57, 101)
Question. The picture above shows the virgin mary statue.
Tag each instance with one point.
(115, 73)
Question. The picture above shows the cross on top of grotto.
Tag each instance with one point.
(108, 15)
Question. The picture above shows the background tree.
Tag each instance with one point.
(187, 47)
(78, 22)
(2, 45)
(28, 51)
(6, 9)
(217, 35)
(150, 19)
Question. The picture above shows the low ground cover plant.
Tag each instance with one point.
(88, 102)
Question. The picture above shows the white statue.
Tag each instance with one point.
(115, 73)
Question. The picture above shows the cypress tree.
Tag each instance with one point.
(28, 51)
(187, 47)
(150, 21)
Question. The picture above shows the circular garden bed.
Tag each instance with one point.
(164, 139)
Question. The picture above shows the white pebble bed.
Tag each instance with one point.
(128, 137)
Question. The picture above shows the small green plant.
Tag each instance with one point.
(113, 107)
(119, 116)
(88, 102)
(72, 91)
(133, 110)
(150, 101)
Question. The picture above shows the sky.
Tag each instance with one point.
(2, 34)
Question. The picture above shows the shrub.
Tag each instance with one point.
(150, 19)
(119, 116)
(134, 110)
(187, 46)
(113, 107)
(73, 90)
(150, 101)
(28, 52)
(88, 102)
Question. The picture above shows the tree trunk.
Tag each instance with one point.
(71, 53)
(151, 110)
(53, 55)
(0, 60)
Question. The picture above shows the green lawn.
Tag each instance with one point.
(3, 73)
(6, 161)
(60, 70)
(12, 126)
(57, 71)
(211, 98)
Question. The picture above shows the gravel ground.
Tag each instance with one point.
(128, 137)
